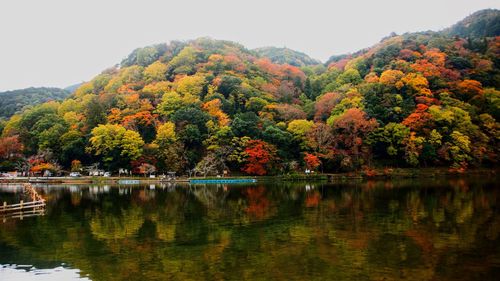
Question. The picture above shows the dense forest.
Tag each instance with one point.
(413, 100)
(12, 102)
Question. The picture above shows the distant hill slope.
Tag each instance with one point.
(14, 101)
(476, 28)
(285, 55)
(73, 88)
(484, 23)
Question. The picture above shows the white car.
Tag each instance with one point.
(107, 174)
(75, 174)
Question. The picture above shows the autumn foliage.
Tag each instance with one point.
(10, 147)
(312, 161)
(426, 99)
(260, 157)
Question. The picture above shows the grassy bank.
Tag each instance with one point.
(381, 173)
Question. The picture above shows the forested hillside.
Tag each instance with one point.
(484, 23)
(286, 56)
(12, 102)
(413, 100)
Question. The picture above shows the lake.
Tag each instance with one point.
(414, 229)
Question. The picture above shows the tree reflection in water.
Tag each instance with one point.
(376, 230)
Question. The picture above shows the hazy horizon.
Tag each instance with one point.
(58, 43)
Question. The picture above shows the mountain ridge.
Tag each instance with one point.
(482, 23)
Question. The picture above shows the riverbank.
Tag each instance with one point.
(386, 173)
(406, 173)
(380, 174)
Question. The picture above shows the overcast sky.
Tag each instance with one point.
(61, 42)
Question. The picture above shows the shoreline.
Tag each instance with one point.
(375, 174)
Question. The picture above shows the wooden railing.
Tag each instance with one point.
(22, 206)
(36, 207)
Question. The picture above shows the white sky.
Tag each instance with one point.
(63, 42)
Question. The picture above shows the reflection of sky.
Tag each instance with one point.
(11, 188)
(21, 273)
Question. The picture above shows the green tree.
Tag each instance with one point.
(72, 146)
(256, 104)
(94, 113)
(459, 149)
(245, 124)
(173, 101)
(389, 139)
(282, 139)
(115, 144)
(300, 127)
(166, 134)
(350, 76)
(184, 62)
(155, 72)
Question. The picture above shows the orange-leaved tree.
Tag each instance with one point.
(76, 165)
(312, 161)
(260, 157)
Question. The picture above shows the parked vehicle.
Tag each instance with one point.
(75, 174)
(107, 174)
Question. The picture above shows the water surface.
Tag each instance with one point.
(446, 229)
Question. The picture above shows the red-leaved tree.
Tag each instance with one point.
(312, 161)
(10, 147)
(260, 157)
(350, 130)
